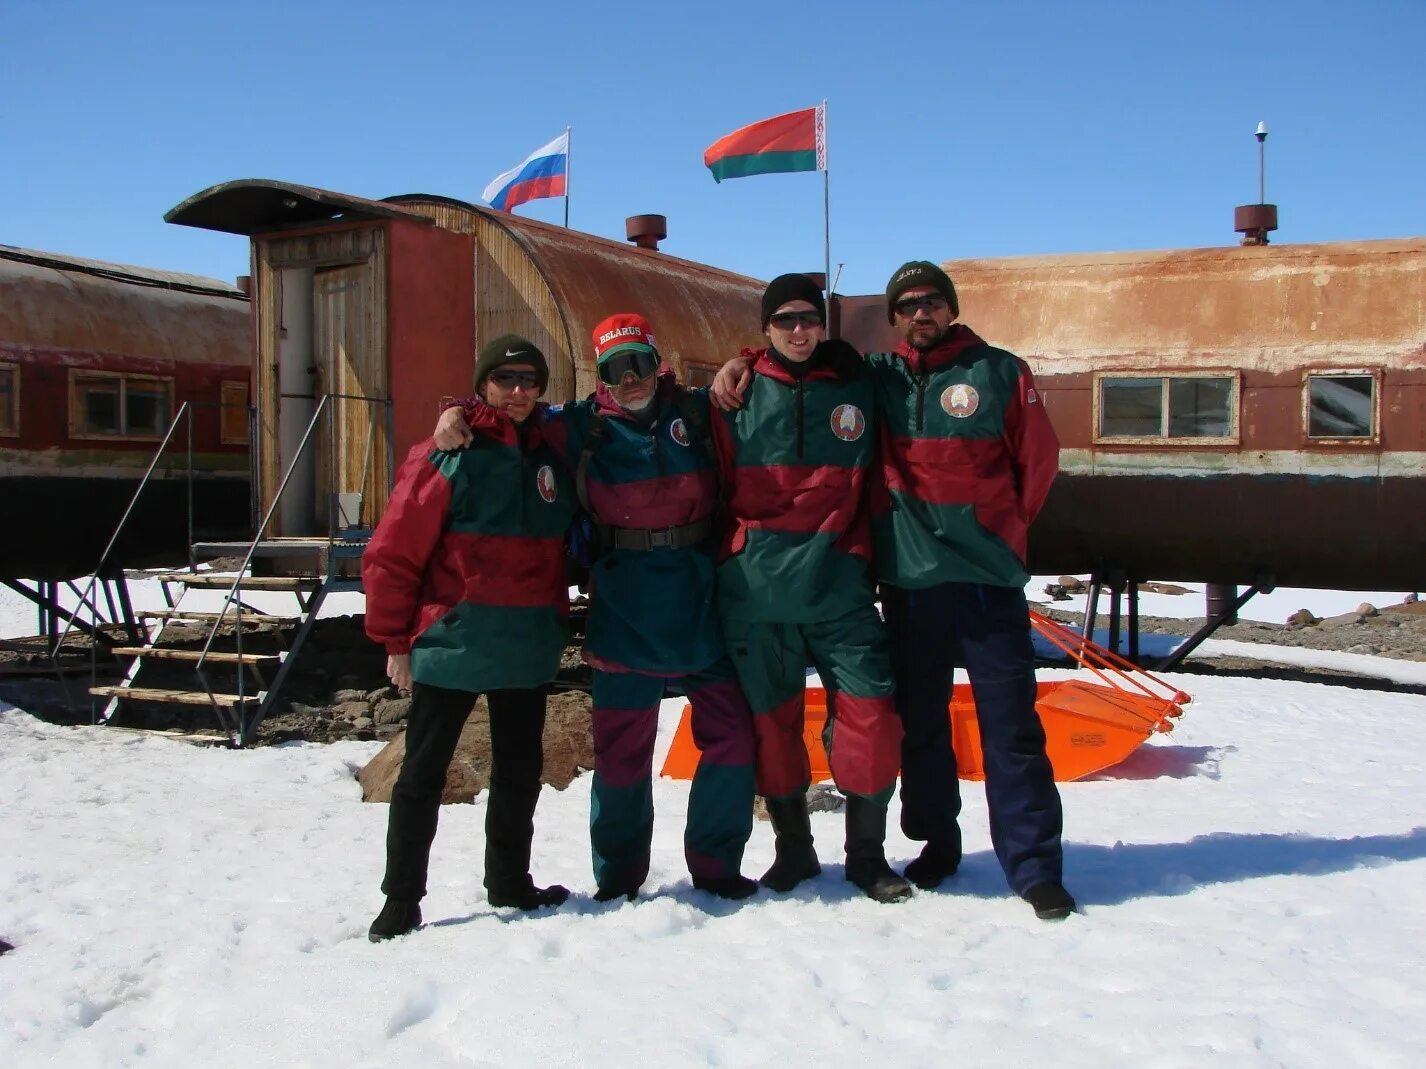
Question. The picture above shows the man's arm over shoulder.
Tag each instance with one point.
(1033, 445)
(395, 560)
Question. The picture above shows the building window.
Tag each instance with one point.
(1167, 407)
(9, 400)
(233, 416)
(1341, 405)
(699, 374)
(118, 406)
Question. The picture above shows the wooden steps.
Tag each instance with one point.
(210, 581)
(177, 697)
(165, 653)
(231, 616)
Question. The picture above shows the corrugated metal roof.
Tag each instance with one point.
(140, 276)
(699, 313)
(65, 304)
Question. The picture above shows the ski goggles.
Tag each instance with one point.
(639, 362)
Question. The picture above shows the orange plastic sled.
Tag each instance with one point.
(1089, 726)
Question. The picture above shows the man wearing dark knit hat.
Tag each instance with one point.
(794, 586)
(968, 457)
(950, 553)
(464, 581)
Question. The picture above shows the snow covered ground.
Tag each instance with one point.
(1253, 893)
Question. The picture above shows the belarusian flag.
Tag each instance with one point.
(796, 141)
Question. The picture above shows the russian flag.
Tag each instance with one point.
(540, 174)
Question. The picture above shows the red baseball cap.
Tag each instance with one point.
(626, 330)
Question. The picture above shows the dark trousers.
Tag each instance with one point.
(985, 629)
(433, 727)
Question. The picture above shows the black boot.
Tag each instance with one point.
(733, 887)
(397, 917)
(937, 862)
(796, 859)
(527, 896)
(866, 852)
(609, 894)
(1050, 901)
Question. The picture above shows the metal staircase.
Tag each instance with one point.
(241, 684)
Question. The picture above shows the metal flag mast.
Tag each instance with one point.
(568, 161)
(821, 128)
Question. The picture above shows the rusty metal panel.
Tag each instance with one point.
(68, 304)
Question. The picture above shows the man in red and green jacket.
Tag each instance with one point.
(794, 585)
(647, 477)
(465, 587)
(968, 455)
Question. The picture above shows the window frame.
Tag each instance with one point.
(1233, 438)
(699, 367)
(13, 431)
(225, 388)
(1338, 440)
(76, 416)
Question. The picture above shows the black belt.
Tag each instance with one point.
(644, 539)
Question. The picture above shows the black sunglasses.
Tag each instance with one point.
(792, 320)
(640, 362)
(933, 302)
(510, 379)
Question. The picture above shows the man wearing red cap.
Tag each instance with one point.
(648, 480)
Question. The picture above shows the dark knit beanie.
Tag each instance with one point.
(786, 288)
(919, 273)
(511, 349)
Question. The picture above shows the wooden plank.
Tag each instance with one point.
(164, 653)
(176, 697)
(209, 617)
(250, 582)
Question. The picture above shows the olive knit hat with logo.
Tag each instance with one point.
(511, 349)
(918, 273)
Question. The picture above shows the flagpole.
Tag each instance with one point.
(568, 161)
(826, 215)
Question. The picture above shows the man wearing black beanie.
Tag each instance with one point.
(794, 588)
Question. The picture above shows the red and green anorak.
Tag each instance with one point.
(795, 461)
(466, 571)
(968, 456)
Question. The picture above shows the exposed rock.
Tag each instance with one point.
(1163, 588)
(1301, 618)
(351, 710)
(569, 750)
(342, 697)
(5, 947)
(391, 710)
(1366, 610)
(1072, 584)
(363, 723)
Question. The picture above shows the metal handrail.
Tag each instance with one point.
(234, 594)
(185, 412)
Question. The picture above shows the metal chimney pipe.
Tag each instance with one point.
(646, 231)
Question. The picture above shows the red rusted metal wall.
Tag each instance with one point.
(430, 324)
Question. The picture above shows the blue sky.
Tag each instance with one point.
(955, 129)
